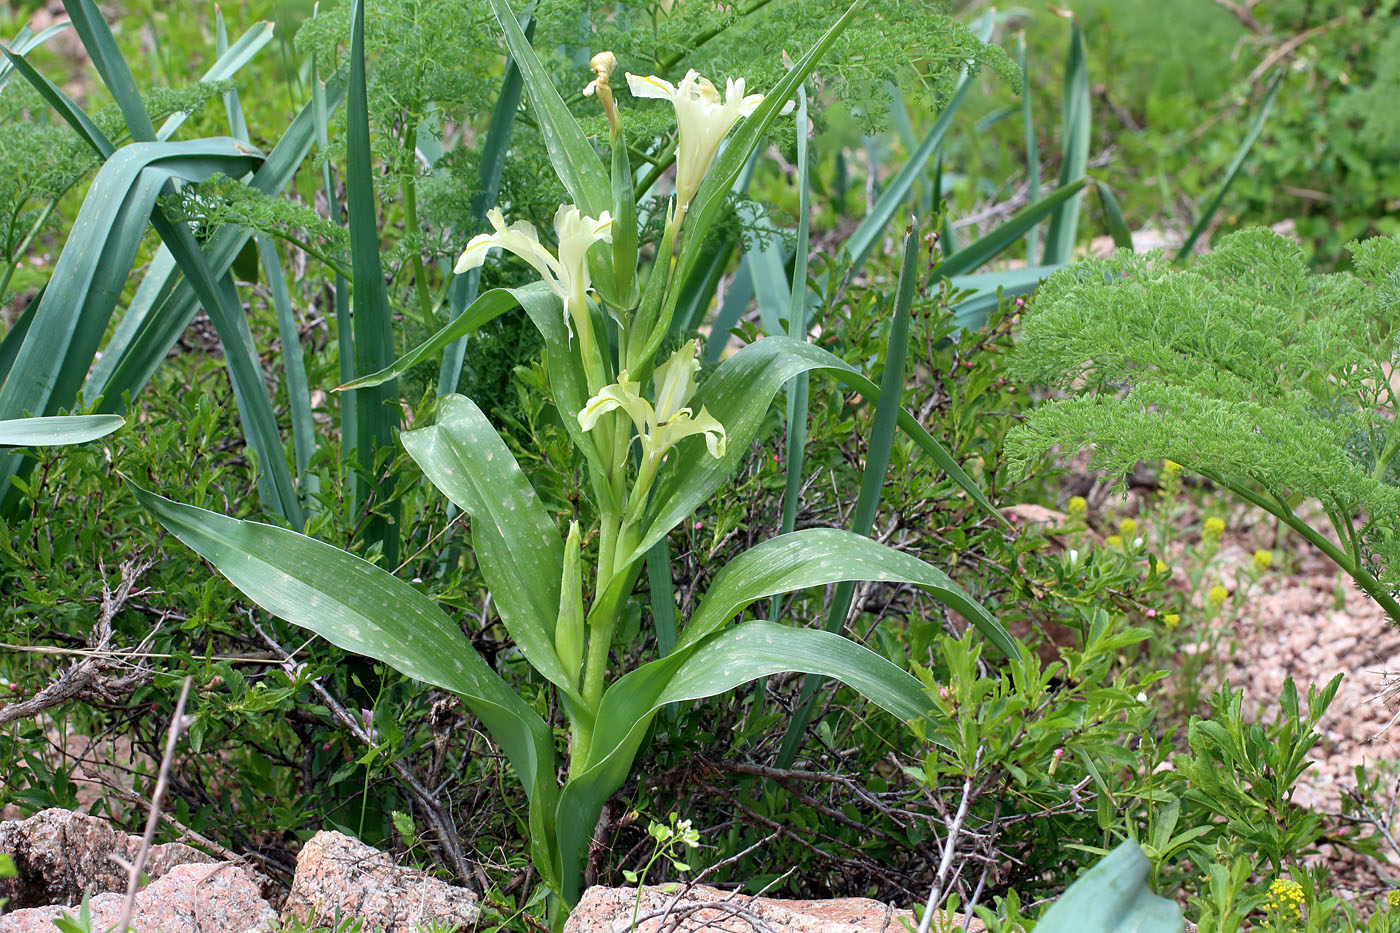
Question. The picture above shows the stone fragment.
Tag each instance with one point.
(62, 855)
(335, 872)
(702, 908)
(221, 898)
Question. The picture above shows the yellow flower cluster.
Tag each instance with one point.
(1263, 560)
(1078, 507)
(1172, 620)
(1217, 595)
(1286, 899)
(1215, 527)
(1170, 468)
(1128, 527)
(1114, 541)
(1392, 897)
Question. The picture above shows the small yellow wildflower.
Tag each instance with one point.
(1217, 595)
(1170, 468)
(1263, 560)
(1078, 507)
(1114, 541)
(1172, 620)
(1286, 899)
(1161, 569)
(1215, 527)
(1392, 897)
(1128, 527)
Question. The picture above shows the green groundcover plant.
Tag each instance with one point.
(650, 457)
(1270, 381)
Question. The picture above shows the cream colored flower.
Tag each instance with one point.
(703, 120)
(567, 274)
(667, 423)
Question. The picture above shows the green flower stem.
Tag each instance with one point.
(23, 247)
(1342, 559)
(600, 636)
(408, 186)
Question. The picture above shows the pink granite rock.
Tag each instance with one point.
(221, 898)
(701, 908)
(337, 872)
(62, 855)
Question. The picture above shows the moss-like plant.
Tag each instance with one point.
(1268, 380)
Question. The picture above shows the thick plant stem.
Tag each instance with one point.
(1342, 559)
(408, 186)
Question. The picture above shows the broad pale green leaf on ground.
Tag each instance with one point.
(57, 429)
(738, 394)
(571, 154)
(1113, 897)
(719, 664)
(816, 557)
(356, 605)
(517, 544)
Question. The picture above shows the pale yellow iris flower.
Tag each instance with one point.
(703, 120)
(567, 274)
(667, 423)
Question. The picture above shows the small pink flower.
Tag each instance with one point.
(326, 747)
(967, 364)
(1020, 302)
(1152, 613)
(699, 525)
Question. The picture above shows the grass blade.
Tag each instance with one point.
(1064, 225)
(231, 59)
(1257, 127)
(376, 410)
(1032, 147)
(977, 254)
(872, 483)
(1113, 216)
(111, 65)
(293, 365)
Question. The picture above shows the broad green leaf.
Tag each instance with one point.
(362, 608)
(1059, 239)
(738, 393)
(1257, 127)
(571, 154)
(57, 429)
(817, 557)
(718, 665)
(1113, 897)
(517, 544)
(23, 43)
(376, 409)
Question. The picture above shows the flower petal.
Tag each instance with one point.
(651, 86)
(475, 253)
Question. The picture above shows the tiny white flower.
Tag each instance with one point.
(703, 119)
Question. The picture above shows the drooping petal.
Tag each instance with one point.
(674, 381)
(684, 425)
(620, 395)
(651, 86)
(475, 253)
